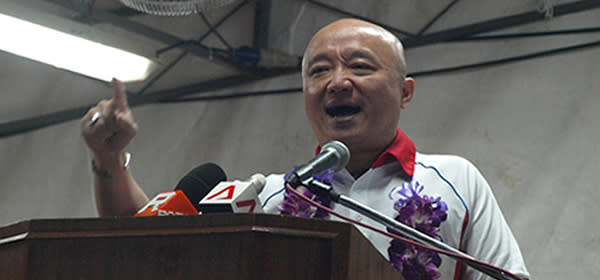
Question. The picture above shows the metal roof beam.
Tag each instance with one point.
(436, 18)
(340, 11)
(152, 33)
(175, 61)
(530, 34)
(12, 128)
(497, 24)
(262, 18)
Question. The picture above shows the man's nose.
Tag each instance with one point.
(339, 82)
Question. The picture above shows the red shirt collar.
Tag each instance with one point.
(402, 150)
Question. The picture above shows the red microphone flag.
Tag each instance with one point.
(172, 203)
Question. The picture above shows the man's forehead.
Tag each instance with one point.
(352, 36)
(357, 26)
(337, 31)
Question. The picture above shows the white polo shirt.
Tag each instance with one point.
(475, 223)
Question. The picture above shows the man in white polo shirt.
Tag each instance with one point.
(355, 85)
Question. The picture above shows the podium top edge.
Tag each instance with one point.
(25, 229)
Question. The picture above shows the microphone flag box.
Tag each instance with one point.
(236, 197)
(171, 203)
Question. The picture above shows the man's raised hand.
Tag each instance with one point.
(109, 126)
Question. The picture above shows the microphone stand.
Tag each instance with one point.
(326, 191)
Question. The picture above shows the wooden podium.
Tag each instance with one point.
(213, 246)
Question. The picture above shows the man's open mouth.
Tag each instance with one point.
(342, 110)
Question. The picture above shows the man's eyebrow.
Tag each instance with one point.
(364, 54)
(353, 54)
(316, 58)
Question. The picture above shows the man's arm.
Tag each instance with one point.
(107, 129)
(488, 236)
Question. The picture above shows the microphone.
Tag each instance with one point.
(199, 181)
(237, 196)
(190, 189)
(334, 155)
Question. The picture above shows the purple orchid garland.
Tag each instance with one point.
(425, 214)
(295, 206)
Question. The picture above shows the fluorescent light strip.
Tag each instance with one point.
(69, 52)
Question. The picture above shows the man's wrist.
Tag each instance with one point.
(107, 167)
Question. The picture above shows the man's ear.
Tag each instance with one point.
(408, 88)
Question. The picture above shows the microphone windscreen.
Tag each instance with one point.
(200, 181)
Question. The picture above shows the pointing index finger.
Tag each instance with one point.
(119, 95)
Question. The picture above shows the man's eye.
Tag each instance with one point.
(318, 70)
(362, 67)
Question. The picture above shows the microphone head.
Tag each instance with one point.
(340, 150)
(197, 183)
(258, 181)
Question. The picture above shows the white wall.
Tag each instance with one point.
(532, 129)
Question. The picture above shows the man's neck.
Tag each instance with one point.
(359, 168)
(360, 162)
(361, 158)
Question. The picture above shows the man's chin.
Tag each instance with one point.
(346, 136)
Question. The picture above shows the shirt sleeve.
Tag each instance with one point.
(272, 194)
(488, 237)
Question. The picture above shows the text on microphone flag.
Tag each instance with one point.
(230, 190)
(247, 203)
(158, 200)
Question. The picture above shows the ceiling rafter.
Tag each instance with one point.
(213, 29)
(340, 11)
(197, 49)
(261, 24)
(436, 18)
(30, 124)
(530, 34)
(497, 24)
(175, 61)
